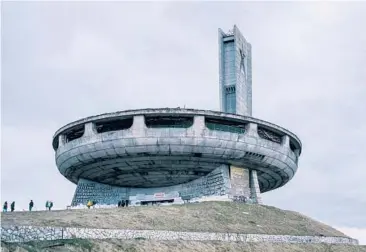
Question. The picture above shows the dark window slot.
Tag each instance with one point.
(269, 135)
(230, 89)
(292, 146)
(113, 125)
(252, 155)
(225, 125)
(74, 133)
(168, 122)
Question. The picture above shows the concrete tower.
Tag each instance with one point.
(235, 73)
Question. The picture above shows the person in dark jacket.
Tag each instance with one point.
(12, 206)
(5, 207)
(50, 205)
(31, 204)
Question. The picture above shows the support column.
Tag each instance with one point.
(285, 141)
(61, 140)
(255, 193)
(240, 184)
(252, 130)
(297, 154)
(199, 125)
(90, 129)
(138, 127)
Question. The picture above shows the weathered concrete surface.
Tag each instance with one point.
(215, 183)
(163, 157)
(235, 71)
(177, 111)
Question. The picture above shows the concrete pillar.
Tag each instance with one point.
(61, 140)
(254, 187)
(90, 129)
(138, 127)
(251, 130)
(199, 125)
(297, 154)
(240, 183)
(285, 141)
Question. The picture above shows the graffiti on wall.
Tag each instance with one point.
(239, 178)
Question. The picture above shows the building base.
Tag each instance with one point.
(225, 182)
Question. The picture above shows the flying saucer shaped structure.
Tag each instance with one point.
(176, 155)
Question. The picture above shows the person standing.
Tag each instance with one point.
(31, 204)
(5, 207)
(50, 205)
(12, 206)
(90, 203)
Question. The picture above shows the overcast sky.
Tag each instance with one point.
(65, 61)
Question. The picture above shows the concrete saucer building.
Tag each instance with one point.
(176, 155)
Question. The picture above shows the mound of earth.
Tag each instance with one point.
(200, 217)
(203, 217)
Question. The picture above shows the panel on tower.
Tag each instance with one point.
(235, 73)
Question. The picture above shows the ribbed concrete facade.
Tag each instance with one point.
(235, 73)
(179, 161)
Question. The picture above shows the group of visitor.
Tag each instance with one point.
(49, 205)
(123, 203)
(12, 206)
(5, 207)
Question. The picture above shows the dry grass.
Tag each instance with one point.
(207, 216)
(171, 246)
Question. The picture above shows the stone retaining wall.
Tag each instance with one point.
(30, 233)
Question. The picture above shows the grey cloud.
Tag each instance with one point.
(64, 61)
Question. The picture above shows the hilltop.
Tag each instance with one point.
(202, 217)
(206, 217)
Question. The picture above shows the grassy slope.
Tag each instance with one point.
(208, 216)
